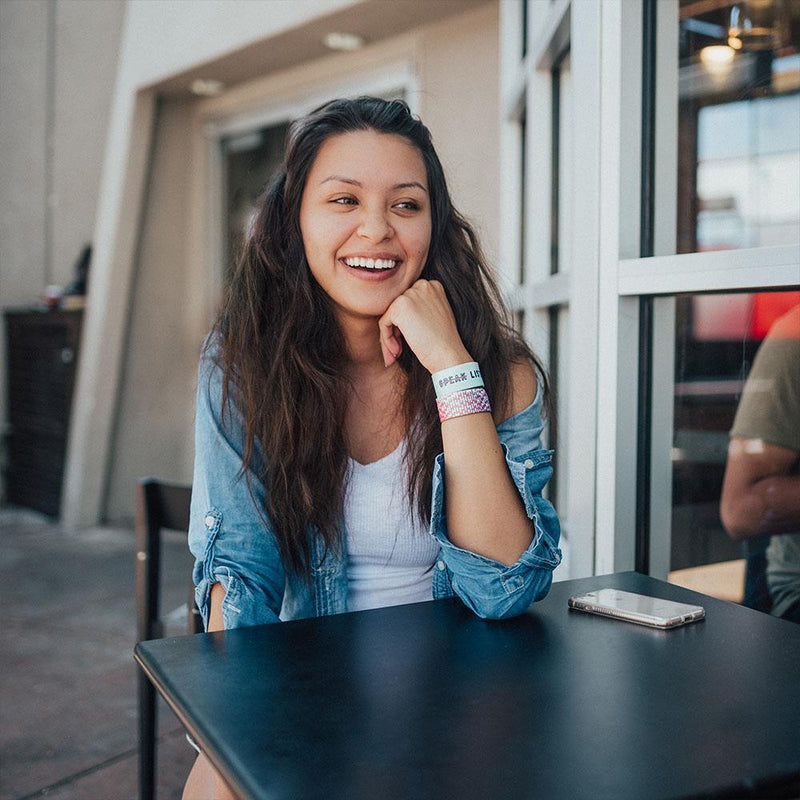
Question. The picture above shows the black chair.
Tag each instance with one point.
(159, 506)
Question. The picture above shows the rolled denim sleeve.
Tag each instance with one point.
(492, 589)
(231, 540)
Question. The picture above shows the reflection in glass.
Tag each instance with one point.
(739, 125)
(718, 338)
(760, 501)
(249, 162)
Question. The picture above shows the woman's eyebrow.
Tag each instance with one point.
(410, 185)
(354, 182)
(341, 179)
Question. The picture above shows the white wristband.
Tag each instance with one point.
(457, 378)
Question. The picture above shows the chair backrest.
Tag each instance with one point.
(159, 506)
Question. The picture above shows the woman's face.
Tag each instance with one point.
(365, 218)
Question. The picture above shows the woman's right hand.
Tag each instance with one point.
(422, 316)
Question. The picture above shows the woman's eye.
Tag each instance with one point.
(344, 201)
(407, 205)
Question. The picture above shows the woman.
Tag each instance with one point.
(332, 473)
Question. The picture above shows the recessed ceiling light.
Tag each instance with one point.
(337, 40)
(206, 87)
(717, 58)
(717, 54)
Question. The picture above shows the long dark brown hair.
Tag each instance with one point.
(284, 355)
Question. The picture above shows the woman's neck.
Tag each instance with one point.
(363, 347)
(374, 422)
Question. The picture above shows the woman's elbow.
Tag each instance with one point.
(510, 605)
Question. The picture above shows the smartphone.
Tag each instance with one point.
(639, 608)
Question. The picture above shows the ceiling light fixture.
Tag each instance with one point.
(346, 42)
(717, 58)
(206, 87)
(758, 25)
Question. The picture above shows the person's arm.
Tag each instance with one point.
(759, 496)
(204, 782)
(223, 527)
(229, 536)
(485, 513)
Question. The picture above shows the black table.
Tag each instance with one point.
(428, 701)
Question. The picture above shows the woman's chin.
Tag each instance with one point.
(371, 312)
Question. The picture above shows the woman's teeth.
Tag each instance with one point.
(371, 263)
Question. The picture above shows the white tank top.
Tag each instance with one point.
(390, 554)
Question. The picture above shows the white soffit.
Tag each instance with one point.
(372, 20)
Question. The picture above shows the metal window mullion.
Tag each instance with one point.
(617, 323)
(664, 242)
(715, 271)
(579, 351)
(646, 240)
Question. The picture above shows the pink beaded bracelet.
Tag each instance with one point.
(459, 404)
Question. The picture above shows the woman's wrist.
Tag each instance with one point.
(453, 379)
(460, 391)
(449, 359)
(463, 403)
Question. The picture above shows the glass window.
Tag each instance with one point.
(718, 340)
(249, 160)
(739, 125)
(563, 126)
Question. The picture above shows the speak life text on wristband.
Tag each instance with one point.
(454, 379)
(461, 403)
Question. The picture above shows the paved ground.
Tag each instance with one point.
(68, 706)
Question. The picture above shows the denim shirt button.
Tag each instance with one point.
(440, 565)
(209, 521)
(528, 463)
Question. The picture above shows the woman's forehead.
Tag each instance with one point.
(367, 156)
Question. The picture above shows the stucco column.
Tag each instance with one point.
(122, 195)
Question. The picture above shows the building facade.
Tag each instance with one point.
(590, 141)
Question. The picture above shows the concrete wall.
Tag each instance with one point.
(459, 80)
(456, 68)
(58, 60)
(23, 140)
(152, 434)
(57, 67)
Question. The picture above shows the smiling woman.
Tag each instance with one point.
(331, 473)
(366, 231)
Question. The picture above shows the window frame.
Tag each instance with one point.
(610, 279)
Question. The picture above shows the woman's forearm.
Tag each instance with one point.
(485, 513)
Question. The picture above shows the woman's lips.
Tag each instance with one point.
(371, 269)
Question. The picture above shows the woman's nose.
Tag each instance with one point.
(375, 227)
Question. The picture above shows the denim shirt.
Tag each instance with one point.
(233, 543)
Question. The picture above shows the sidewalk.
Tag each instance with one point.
(68, 709)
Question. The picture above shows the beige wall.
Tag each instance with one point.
(456, 65)
(87, 44)
(460, 103)
(57, 67)
(23, 136)
(153, 428)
